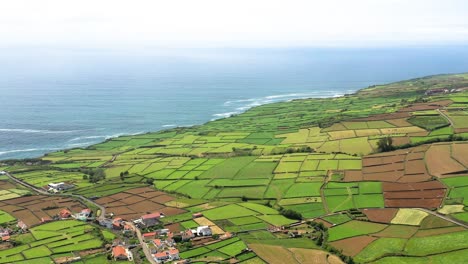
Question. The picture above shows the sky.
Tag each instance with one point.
(234, 23)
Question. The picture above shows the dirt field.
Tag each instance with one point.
(30, 209)
(134, 203)
(352, 246)
(419, 194)
(351, 176)
(380, 215)
(460, 153)
(439, 161)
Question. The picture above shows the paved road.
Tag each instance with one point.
(445, 116)
(143, 244)
(42, 191)
(445, 217)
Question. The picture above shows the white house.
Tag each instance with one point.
(202, 231)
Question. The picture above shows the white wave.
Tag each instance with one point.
(245, 104)
(26, 150)
(169, 125)
(20, 130)
(73, 145)
(86, 137)
(228, 114)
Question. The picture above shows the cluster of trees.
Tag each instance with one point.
(291, 214)
(322, 241)
(93, 175)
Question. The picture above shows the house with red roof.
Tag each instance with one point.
(160, 257)
(174, 254)
(65, 213)
(151, 219)
(149, 235)
(158, 243)
(119, 253)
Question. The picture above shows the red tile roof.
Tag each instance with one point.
(160, 255)
(149, 234)
(173, 251)
(5, 238)
(119, 251)
(157, 242)
(151, 216)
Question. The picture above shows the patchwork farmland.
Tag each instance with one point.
(379, 176)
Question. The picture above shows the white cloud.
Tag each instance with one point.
(114, 23)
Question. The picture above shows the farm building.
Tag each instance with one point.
(169, 255)
(65, 213)
(61, 186)
(151, 219)
(149, 235)
(22, 225)
(202, 231)
(121, 253)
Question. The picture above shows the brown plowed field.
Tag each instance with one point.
(384, 215)
(411, 203)
(132, 204)
(384, 168)
(392, 176)
(415, 156)
(395, 187)
(30, 209)
(418, 194)
(461, 130)
(415, 178)
(398, 141)
(353, 176)
(460, 153)
(352, 246)
(439, 193)
(415, 167)
(439, 161)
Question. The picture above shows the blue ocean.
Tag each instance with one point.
(52, 99)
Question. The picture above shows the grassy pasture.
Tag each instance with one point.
(353, 228)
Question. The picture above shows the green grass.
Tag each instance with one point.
(276, 220)
(228, 168)
(277, 188)
(353, 228)
(5, 217)
(303, 190)
(194, 252)
(337, 219)
(429, 122)
(379, 248)
(227, 212)
(249, 192)
(244, 220)
(233, 249)
(307, 210)
(37, 252)
(421, 246)
(259, 208)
